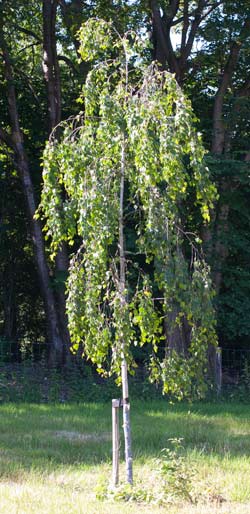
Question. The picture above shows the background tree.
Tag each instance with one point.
(206, 44)
(23, 135)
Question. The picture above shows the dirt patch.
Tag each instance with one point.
(79, 436)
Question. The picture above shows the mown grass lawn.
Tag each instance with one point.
(53, 456)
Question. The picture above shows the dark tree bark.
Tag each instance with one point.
(73, 16)
(221, 147)
(163, 21)
(178, 337)
(191, 18)
(50, 62)
(219, 129)
(52, 78)
(163, 49)
(15, 141)
(9, 303)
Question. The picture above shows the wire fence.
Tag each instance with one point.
(235, 368)
(25, 375)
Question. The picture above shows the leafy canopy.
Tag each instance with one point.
(135, 112)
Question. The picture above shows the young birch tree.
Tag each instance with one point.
(132, 154)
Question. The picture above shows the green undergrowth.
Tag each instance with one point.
(57, 458)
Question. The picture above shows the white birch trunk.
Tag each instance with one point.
(124, 368)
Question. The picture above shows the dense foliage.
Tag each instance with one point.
(130, 145)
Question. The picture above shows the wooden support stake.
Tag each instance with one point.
(115, 439)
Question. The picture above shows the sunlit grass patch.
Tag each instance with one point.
(52, 457)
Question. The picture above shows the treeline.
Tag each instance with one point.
(205, 43)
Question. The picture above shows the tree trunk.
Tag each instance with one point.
(9, 303)
(43, 272)
(220, 248)
(123, 301)
(52, 78)
(163, 19)
(73, 16)
(220, 143)
(177, 336)
(62, 263)
(15, 141)
(50, 62)
(163, 50)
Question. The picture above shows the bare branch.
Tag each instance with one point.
(69, 63)
(28, 32)
(21, 73)
(193, 31)
(211, 9)
(31, 45)
(173, 8)
(177, 22)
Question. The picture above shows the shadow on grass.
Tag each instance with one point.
(47, 437)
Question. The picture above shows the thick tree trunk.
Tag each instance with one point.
(163, 49)
(220, 145)
(50, 62)
(163, 19)
(216, 235)
(43, 272)
(15, 140)
(177, 336)
(219, 129)
(52, 78)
